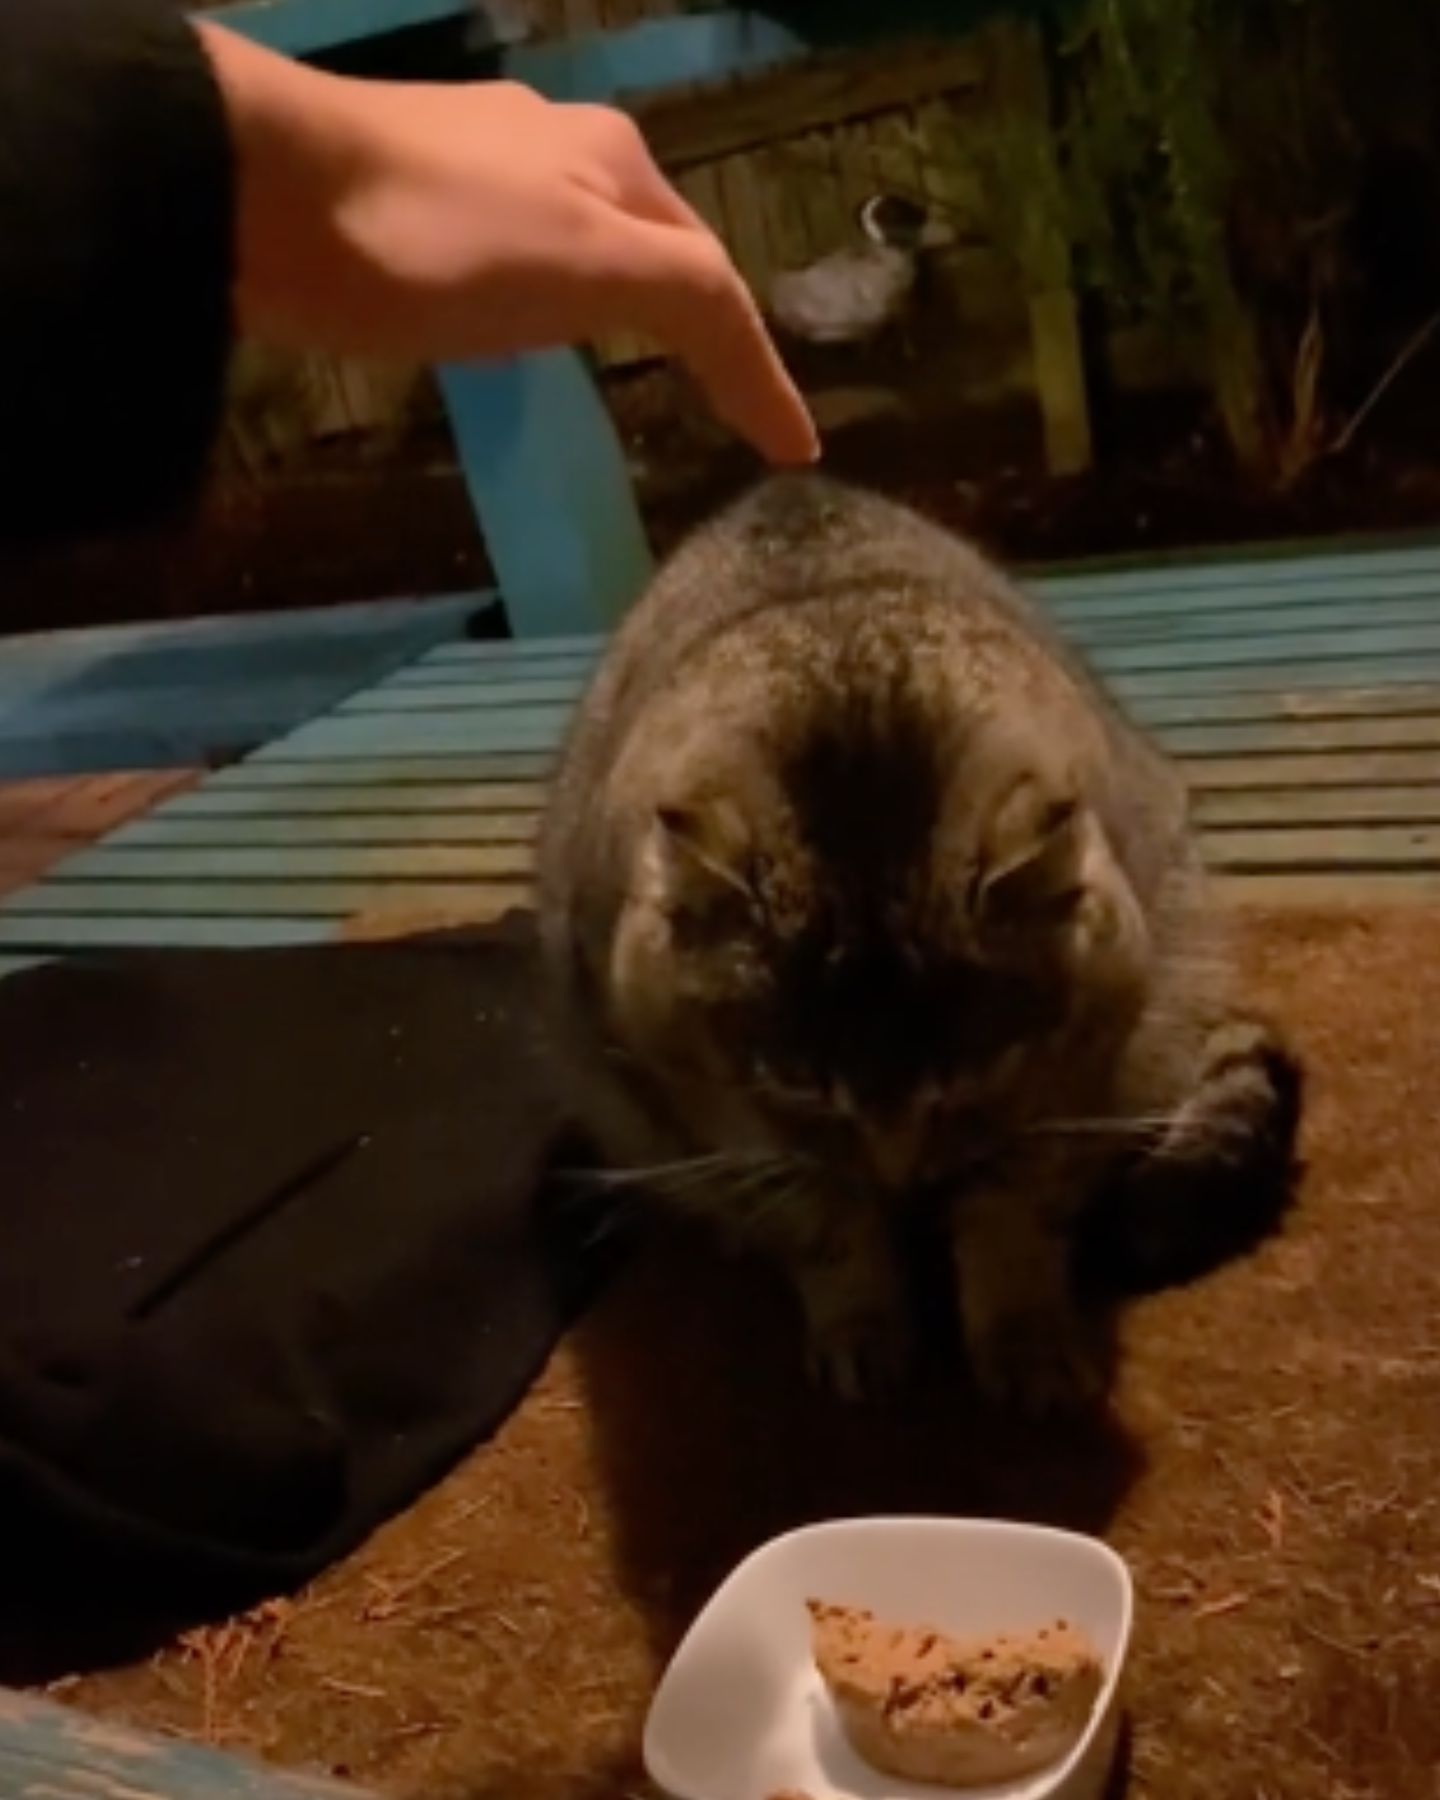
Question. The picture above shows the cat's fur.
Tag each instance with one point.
(856, 891)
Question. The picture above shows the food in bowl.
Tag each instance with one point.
(920, 1705)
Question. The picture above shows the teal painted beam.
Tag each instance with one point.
(547, 479)
(654, 54)
(309, 27)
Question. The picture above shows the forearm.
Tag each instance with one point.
(116, 259)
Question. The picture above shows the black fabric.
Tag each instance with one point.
(276, 1248)
(116, 251)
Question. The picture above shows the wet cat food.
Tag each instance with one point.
(921, 1705)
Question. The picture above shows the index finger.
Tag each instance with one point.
(688, 294)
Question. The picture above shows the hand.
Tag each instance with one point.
(446, 223)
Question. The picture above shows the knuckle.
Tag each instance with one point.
(713, 276)
(512, 93)
(616, 131)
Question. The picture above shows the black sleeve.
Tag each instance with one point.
(116, 234)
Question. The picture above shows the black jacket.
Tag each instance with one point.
(116, 232)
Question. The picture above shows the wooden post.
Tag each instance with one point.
(1060, 381)
(1022, 84)
(48, 1752)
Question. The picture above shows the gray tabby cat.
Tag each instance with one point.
(855, 889)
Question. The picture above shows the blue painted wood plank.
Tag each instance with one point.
(458, 680)
(1271, 806)
(1306, 703)
(548, 481)
(46, 932)
(1298, 624)
(523, 667)
(50, 1752)
(1354, 889)
(1140, 690)
(492, 650)
(306, 27)
(1204, 574)
(314, 834)
(517, 728)
(1349, 768)
(273, 770)
(255, 900)
(1357, 641)
(1287, 600)
(479, 696)
(1305, 735)
(1286, 846)
(416, 859)
(211, 804)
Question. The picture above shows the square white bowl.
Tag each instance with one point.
(742, 1714)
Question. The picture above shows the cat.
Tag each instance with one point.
(857, 893)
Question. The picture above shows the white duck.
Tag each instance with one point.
(851, 295)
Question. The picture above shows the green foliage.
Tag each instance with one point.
(1197, 173)
(1153, 173)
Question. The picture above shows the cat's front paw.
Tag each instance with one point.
(862, 1357)
(1041, 1365)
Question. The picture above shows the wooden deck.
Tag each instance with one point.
(44, 821)
(1302, 695)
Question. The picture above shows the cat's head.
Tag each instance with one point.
(873, 942)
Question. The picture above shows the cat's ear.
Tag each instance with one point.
(1035, 872)
(704, 852)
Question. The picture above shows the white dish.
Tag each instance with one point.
(741, 1713)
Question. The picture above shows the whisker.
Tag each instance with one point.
(642, 1172)
(1141, 1126)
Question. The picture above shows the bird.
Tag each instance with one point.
(853, 294)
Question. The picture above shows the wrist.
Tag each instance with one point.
(301, 148)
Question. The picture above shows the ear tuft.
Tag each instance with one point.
(705, 851)
(1036, 875)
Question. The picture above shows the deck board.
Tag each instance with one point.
(1302, 696)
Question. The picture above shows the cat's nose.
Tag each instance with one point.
(892, 1147)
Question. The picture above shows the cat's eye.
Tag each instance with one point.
(786, 1091)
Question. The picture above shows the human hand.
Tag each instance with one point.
(447, 223)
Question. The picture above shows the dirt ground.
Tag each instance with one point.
(1271, 1472)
